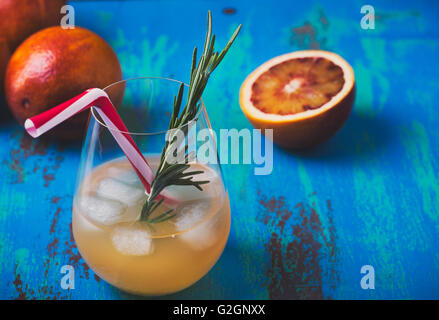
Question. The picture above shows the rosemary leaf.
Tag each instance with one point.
(175, 174)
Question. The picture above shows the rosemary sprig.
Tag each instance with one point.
(175, 173)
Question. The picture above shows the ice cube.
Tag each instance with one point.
(184, 193)
(191, 214)
(102, 211)
(113, 189)
(190, 193)
(207, 175)
(126, 176)
(198, 233)
(132, 240)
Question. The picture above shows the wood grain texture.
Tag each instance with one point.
(368, 196)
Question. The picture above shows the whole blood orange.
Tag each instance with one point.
(304, 96)
(19, 19)
(54, 65)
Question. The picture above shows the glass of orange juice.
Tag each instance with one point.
(153, 257)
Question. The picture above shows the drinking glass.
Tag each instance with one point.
(137, 256)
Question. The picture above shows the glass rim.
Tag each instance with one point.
(202, 108)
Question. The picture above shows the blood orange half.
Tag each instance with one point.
(304, 96)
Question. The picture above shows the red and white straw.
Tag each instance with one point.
(99, 99)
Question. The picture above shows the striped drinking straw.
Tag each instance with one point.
(98, 99)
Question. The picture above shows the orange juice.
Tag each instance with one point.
(143, 258)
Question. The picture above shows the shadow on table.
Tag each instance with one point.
(362, 137)
(9, 123)
(5, 113)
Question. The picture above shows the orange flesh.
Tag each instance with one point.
(297, 85)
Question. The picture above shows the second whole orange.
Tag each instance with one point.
(54, 65)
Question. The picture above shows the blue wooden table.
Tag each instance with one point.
(370, 196)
